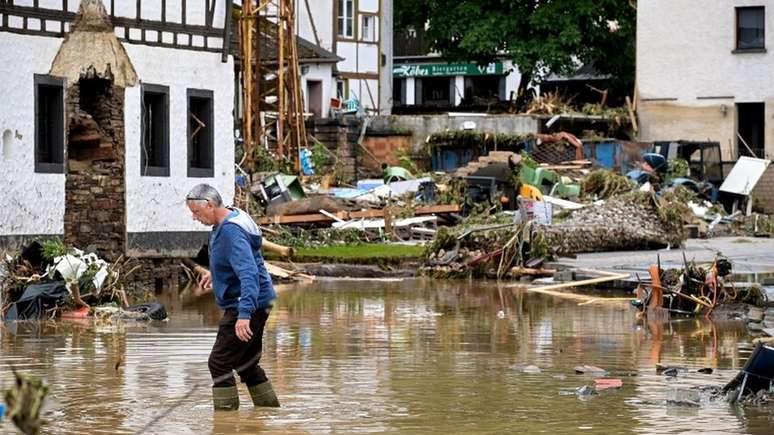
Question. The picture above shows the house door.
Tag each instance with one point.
(314, 96)
(750, 120)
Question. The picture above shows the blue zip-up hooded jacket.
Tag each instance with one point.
(239, 277)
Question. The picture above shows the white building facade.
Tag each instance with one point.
(704, 73)
(185, 88)
(360, 33)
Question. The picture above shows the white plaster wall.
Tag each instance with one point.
(683, 56)
(151, 10)
(322, 15)
(48, 4)
(358, 58)
(122, 8)
(368, 58)
(368, 6)
(359, 89)
(195, 12)
(347, 50)
(157, 203)
(324, 74)
(30, 203)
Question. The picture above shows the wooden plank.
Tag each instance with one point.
(549, 289)
(632, 115)
(319, 217)
(562, 167)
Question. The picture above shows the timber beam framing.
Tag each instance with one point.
(37, 21)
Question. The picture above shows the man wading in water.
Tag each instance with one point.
(243, 289)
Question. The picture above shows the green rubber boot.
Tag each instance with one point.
(263, 395)
(225, 398)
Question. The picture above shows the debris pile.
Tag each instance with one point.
(603, 183)
(635, 220)
(299, 237)
(694, 289)
(48, 280)
(583, 196)
(494, 251)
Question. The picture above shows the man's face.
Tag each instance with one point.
(202, 211)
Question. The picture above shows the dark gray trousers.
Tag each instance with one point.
(231, 354)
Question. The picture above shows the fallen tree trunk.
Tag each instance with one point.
(284, 251)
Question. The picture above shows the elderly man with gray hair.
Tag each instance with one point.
(243, 289)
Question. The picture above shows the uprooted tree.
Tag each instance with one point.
(540, 36)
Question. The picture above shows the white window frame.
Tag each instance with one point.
(346, 14)
(368, 33)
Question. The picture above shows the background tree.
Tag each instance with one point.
(540, 36)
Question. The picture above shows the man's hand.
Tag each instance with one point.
(243, 330)
(205, 279)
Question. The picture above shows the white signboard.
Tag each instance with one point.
(744, 175)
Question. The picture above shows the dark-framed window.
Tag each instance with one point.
(437, 91)
(49, 124)
(750, 28)
(201, 133)
(154, 155)
(484, 87)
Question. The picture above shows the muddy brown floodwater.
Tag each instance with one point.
(413, 357)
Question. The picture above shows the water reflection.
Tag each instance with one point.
(415, 357)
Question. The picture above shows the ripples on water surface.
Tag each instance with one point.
(416, 357)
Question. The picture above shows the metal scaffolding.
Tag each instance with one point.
(273, 107)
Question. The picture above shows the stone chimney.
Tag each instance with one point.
(97, 70)
(92, 43)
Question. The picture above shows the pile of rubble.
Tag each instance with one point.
(494, 251)
(594, 196)
(48, 280)
(635, 220)
(697, 289)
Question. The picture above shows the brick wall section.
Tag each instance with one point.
(763, 194)
(340, 136)
(383, 149)
(155, 275)
(95, 200)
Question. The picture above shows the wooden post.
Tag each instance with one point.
(257, 133)
(247, 82)
(281, 79)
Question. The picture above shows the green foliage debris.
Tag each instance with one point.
(603, 184)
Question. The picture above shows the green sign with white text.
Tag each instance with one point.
(446, 69)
